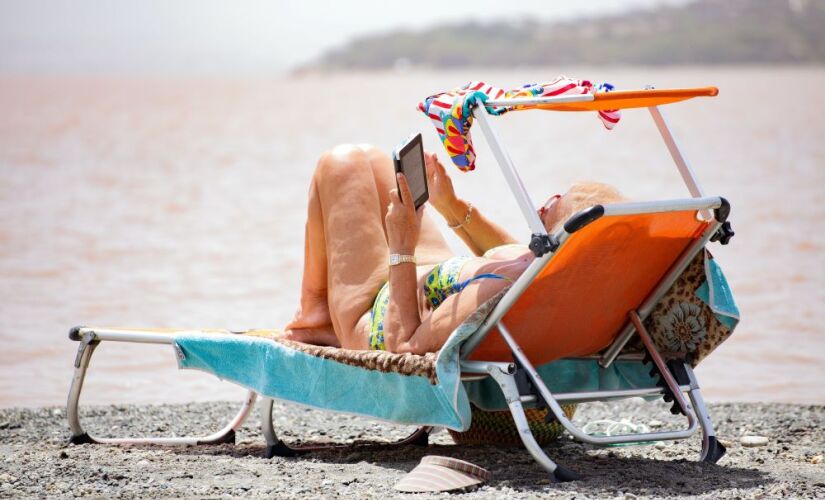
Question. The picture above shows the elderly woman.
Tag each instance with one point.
(378, 274)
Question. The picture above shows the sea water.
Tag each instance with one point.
(173, 202)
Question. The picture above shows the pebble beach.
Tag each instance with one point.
(38, 462)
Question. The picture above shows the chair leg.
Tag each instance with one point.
(79, 436)
(712, 449)
(81, 363)
(276, 447)
(508, 385)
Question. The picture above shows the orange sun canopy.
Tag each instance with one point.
(624, 99)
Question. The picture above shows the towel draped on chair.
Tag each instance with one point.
(451, 112)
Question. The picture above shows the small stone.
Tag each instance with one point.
(142, 463)
(63, 454)
(653, 424)
(753, 441)
(57, 412)
(817, 459)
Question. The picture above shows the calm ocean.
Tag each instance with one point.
(181, 203)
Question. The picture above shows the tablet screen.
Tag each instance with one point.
(410, 161)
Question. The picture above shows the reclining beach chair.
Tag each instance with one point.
(629, 299)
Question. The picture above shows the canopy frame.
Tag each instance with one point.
(541, 242)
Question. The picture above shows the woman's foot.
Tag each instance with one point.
(324, 335)
(313, 312)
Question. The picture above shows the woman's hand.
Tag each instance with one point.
(439, 184)
(403, 221)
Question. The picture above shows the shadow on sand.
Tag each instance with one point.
(602, 473)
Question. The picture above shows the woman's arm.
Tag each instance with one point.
(403, 223)
(477, 231)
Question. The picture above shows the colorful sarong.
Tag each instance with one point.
(451, 112)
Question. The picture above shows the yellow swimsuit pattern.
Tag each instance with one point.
(439, 284)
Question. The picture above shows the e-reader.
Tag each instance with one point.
(409, 160)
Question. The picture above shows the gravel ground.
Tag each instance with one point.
(37, 462)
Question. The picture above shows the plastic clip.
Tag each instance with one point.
(723, 234)
(541, 244)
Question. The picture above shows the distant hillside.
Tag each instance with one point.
(702, 32)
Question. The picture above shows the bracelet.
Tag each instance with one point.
(466, 218)
(396, 258)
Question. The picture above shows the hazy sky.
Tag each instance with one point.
(219, 36)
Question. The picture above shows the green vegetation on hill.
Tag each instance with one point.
(702, 32)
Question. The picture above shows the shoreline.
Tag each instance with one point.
(289, 75)
(37, 461)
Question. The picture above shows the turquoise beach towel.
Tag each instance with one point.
(278, 371)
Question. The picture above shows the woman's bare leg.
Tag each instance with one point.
(345, 249)
(313, 311)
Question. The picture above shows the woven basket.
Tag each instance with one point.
(497, 427)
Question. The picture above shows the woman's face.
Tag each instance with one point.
(549, 212)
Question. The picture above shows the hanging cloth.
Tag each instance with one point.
(451, 112)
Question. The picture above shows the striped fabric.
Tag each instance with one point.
(459, 465)
(436, 473)
(451, 112)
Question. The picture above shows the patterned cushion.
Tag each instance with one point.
(682, 325)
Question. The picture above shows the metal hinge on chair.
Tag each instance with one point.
(677, 370)
(528, 392)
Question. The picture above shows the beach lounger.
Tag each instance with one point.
(629, 298)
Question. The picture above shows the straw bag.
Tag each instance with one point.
(497, 427)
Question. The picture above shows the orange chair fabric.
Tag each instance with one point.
(579, 302)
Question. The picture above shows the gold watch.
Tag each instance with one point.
(397, 258)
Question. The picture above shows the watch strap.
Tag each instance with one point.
(397, 258)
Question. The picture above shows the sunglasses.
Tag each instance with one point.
(548, 205)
